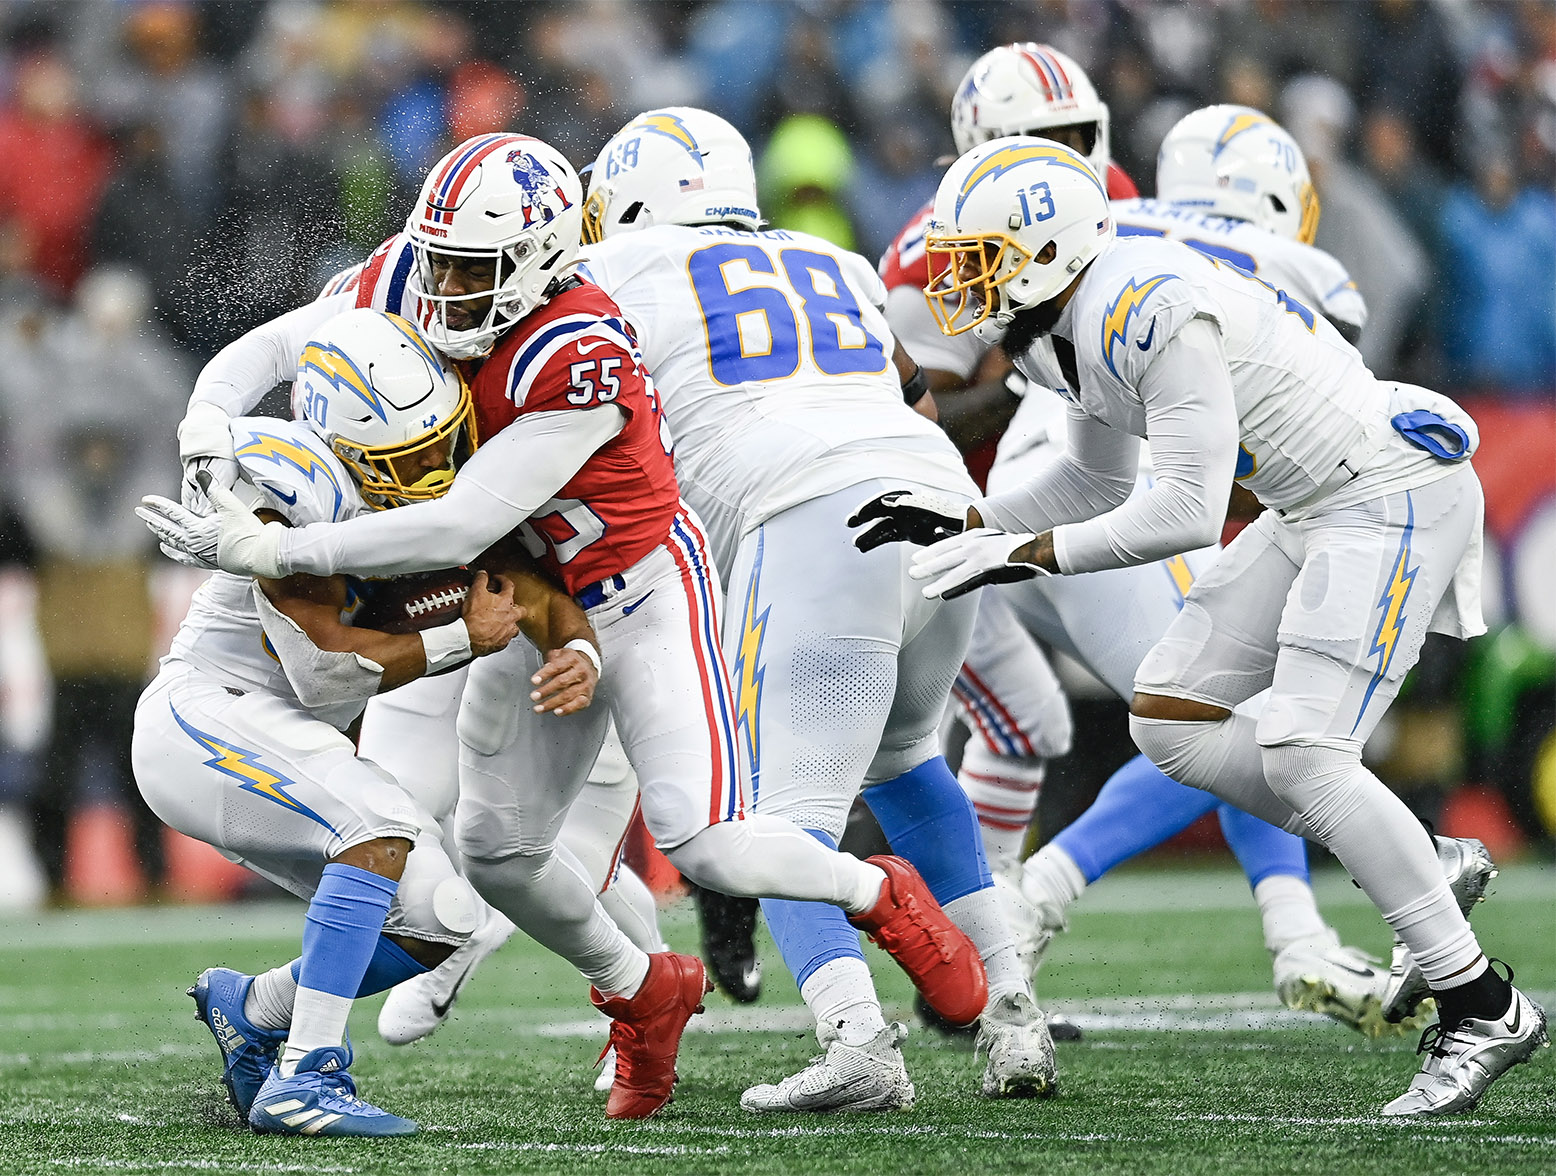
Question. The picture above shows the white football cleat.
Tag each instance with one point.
(1034, 915)
(1468, 867)
(1322, 975)
(419, 1005)
(868, 1077)
(606, 1078)
(1021, 1052)
(1462, 1062)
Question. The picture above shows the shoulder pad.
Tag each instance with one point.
(1138, 318)
(294, 471)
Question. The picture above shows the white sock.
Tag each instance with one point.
(318, 1020)
(1051, 874)
(1289, 911)
(978, 914)
(1004, 792)
(270, 998)
(626, 978)
(840, 994)
(630, 905)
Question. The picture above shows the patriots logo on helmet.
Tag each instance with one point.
(537, 184)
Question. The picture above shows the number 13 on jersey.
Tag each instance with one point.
(753, 330)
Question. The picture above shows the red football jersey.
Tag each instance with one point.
(573, 353)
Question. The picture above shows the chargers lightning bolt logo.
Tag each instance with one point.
(1006, 158)
(1115, 321)
(671, 127)
(264, 447)
(1237, 124)
(340, 371)
(243, 765)
(748, 667)
(1392, 603)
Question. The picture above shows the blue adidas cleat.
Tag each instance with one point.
(320, 1099)
(248, 1051)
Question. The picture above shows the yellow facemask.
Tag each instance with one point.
(373, 468)
(965, 291)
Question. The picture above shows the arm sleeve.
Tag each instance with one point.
(248, 367)
(1191, 422)
(1095, 474)
(510, 476)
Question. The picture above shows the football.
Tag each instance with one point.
(411, 603)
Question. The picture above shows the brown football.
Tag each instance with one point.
(411, 603)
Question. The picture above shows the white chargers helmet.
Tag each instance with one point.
(511, 199)
(377, 393)
(676, 166)
(1238, 162)
(1014, 221)
(1031, 89)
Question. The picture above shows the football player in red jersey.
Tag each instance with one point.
(575, 452)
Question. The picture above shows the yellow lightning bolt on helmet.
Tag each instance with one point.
(1015, 220)
(676, 166)
(1238, 162)
(399, 419)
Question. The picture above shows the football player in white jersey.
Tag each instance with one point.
(1110, 620)
(411, 730)
(239, 741)
(784, 390)
(1371, 537)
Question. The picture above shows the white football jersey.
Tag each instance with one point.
(1309, 275)
(292, 472)
(773, 357)
(1305, 401)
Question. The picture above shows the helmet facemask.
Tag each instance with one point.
(374, 468)
(969, 286)
(511, 295)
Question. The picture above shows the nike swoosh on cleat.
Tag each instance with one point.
(1364, 973)
(628, 609)
(1518, 1017)
(1145, 344)
(442, 1009)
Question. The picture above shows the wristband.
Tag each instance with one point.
(586, 647)
(918, 384)
(446, 646)
(1017, 384)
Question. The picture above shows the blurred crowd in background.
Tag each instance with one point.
(172, 173)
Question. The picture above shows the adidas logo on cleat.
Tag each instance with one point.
(227, 1035)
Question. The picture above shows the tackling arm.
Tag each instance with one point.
(507, 480)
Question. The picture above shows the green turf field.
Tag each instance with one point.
(1189, 1064)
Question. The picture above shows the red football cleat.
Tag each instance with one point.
(935, 953)
(646, 1031)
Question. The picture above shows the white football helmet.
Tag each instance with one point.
(509, 198)
(375, 390)
(1238, 162)
(1014, 221)
(676, 166)
(1029, 89)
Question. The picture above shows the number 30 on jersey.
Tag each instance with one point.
(753, 328)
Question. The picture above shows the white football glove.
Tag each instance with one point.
(233, 539)
(962, 563)
(205, 443)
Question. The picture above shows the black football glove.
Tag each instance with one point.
(911, 516)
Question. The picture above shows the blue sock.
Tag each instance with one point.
(928, 819)
(1262, 849)
(391, 964)
(1138, 808)
(809, 934)
(342, 930)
